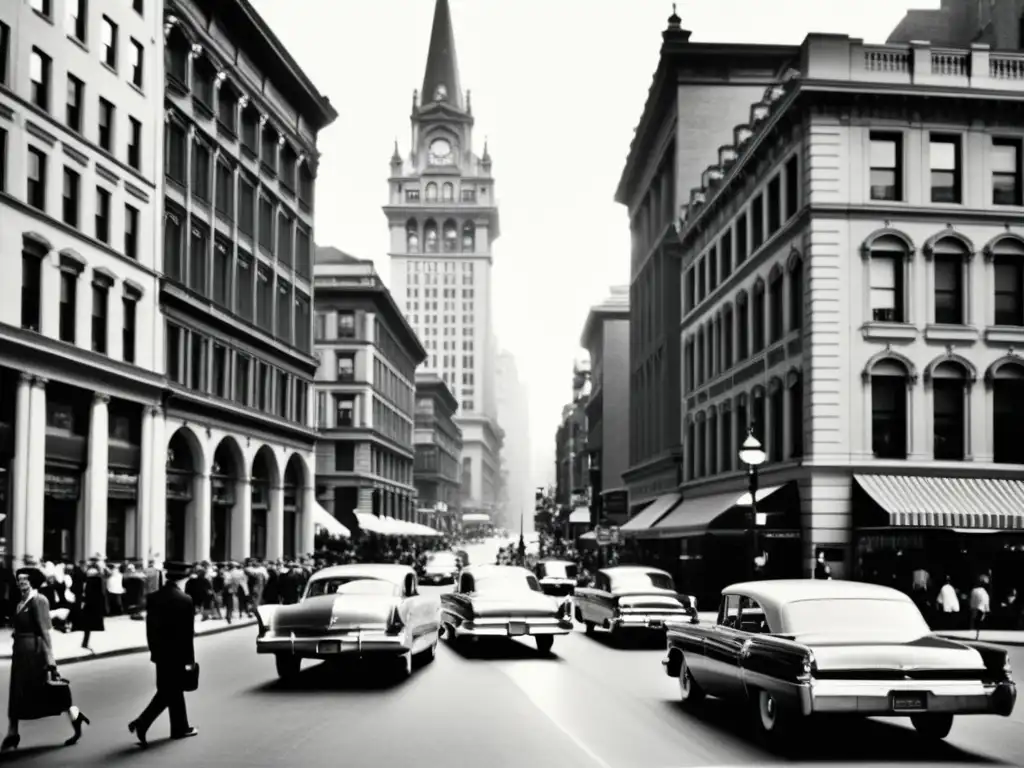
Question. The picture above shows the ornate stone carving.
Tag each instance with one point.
(195, 51)
(218, 81)
(100, 398)
(281, 141)
(40, 381)
(243, 102)
(26, 377)
(169, 23)
(264, 119)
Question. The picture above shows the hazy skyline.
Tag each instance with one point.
(557, 89)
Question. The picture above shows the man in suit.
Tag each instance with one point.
(170, 633)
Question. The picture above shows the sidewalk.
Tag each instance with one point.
(121, 636)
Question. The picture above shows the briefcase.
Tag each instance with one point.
(190, 678)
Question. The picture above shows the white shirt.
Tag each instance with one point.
(948, 600)
(980, 600)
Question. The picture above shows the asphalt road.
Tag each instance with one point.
(588, 705)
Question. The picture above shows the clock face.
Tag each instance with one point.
(440, 150)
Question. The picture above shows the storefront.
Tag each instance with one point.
(180, 487)
(290, 518)
(258, 526)
(67, 437)
(122, 515)
(222, 500)
(62, 493)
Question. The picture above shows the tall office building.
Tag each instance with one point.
(443, 221)
(514, 411)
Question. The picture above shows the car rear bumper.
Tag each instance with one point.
(513, 627)
(651, 620)
(882, 697)
(333, 646)
(436, 578)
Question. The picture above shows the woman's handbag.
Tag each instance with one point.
(56, 693)
(190, 679)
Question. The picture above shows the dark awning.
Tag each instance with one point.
(697, 515)
(947, 502)
(660, 507)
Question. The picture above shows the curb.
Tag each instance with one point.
(138, 648)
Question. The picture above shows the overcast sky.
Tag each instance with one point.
(558, 86)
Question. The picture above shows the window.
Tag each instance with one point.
(344, 457)
(263, 386)
(138, 63)
(346, 368)
(282, 394)
(712, 261)
(246, 207)
(135, 144)
(42, 7)
(796, 294)
(68, 303)
(264, 298)
(949, 410)
(944, 161)
(242, 368)
(40, 67)
(100, 294)
(757, 223)
(106, 135)
(131, 232)
(36, 187)
(886, 172)
(889, 411)
(243, 286)
(222, 272)
(268, 149)
(73, 110)
(725, 254)
(129, 304)
(284, 313)
(776, 308)
(346, 325)
(320, 326)
(102, 215)
(109, 43)
(201, 171)
(792, 186)
(174, 249)
(197, 361)
(137, 6)
(219, 374)
(1009, 298)
(176, 154)
(198, 261)
(250, 130)
(227, 108)
(727, 331)
(203, 77)
(31, 289)
(71, 203)
(742, 328)
(777, 445)
(759, 319)
(796, 419)
(172, 351)
(284, 240)
(949, 303)
(887, 286)
(741, 239)
(774, 205)
(266, 225)
(1007, 415)
(225, 191)
(302, 312)
(305, 188)
(5, 48)
(344, 411)
(1006, 171)
(303, 260)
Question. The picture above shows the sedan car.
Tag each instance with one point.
(503, 601)
(440, 568)
(794, 648)
(557, 577)
(631, 597)
(354, 610)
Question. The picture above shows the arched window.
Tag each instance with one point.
(412, 236)
(1007, 256)
(451, 236)
(725, 437)
(777, 409)
(758, 316)
(691, 451)
(796, 414)
(776, 308)
(888, 264)
(759, 419)
(796, 291)
(702, 445)
(950, 257)
(1007, 381)
(949, 409)
(889, 396)
(700, 357)
(176, 55)
(742, 327)
(468, 237)
(430, 236)
(447, 192)
(713, 442)
(431, 192)
(727, 358)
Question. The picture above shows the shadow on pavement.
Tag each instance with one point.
(502, 649)
(349, 675)
(27, 753)
(835, 740)
(639, 641)
(133, 750)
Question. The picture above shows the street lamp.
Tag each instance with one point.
(752, 454)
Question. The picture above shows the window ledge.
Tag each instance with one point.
(952, 333)
(1005, 334)
(894, 331)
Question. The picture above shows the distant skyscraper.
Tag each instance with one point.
(514, 411)
(443, 221)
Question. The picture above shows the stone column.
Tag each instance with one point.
(36, 474)
(19, 469)
(96, 473)
(241, 520)
(157, 499)
(200, 509)
(307, 524)
(143, 490)
(275, 524)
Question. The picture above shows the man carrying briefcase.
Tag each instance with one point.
(170, 633)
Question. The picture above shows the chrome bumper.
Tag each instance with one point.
(332, 646)
(879, 697)
(644, 620)
(513, 627)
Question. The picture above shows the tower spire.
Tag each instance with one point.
(441, 79)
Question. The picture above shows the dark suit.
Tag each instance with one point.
(170, 633)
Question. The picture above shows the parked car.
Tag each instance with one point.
(793, 648)
(631, 597)
(492, 601)
(557, 577)
(440, 568)
(364, 610)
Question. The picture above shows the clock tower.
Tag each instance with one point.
(443, 221)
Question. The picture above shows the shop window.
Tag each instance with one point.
(889, 397)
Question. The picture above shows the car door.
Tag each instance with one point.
(584, 599)
(722, 646)
(419, 609)
(603, 600)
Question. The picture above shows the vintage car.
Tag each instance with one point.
(798, 647)
(631, 597)
(354, 610)
(440, 568)
(557, 577)
(502, 601)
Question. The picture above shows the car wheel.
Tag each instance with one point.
(770, 721)
(403, 666)
(545, 643)
(690, 691)
(288, 666)
(932, 726)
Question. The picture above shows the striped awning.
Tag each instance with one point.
(695, 516)
(947, 502)
(656, 510)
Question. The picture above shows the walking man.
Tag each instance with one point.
(170, 633)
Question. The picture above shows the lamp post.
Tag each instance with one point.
(752, 454)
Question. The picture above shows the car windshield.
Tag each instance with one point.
(852, 616)
(507, 582)
(559, 570)
(351, 585)
(637, 581)
(442, 559)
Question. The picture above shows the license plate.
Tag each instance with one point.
(909, 701)
(331, 646)
(516, 628)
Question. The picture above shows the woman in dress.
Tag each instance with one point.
(92, 605)
(32, 667)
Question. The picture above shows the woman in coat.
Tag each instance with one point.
(92, 606)
(32, 697)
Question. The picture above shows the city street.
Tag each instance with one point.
(588, 705)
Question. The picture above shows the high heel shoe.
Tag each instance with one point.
(77, 725)
(10, 743)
